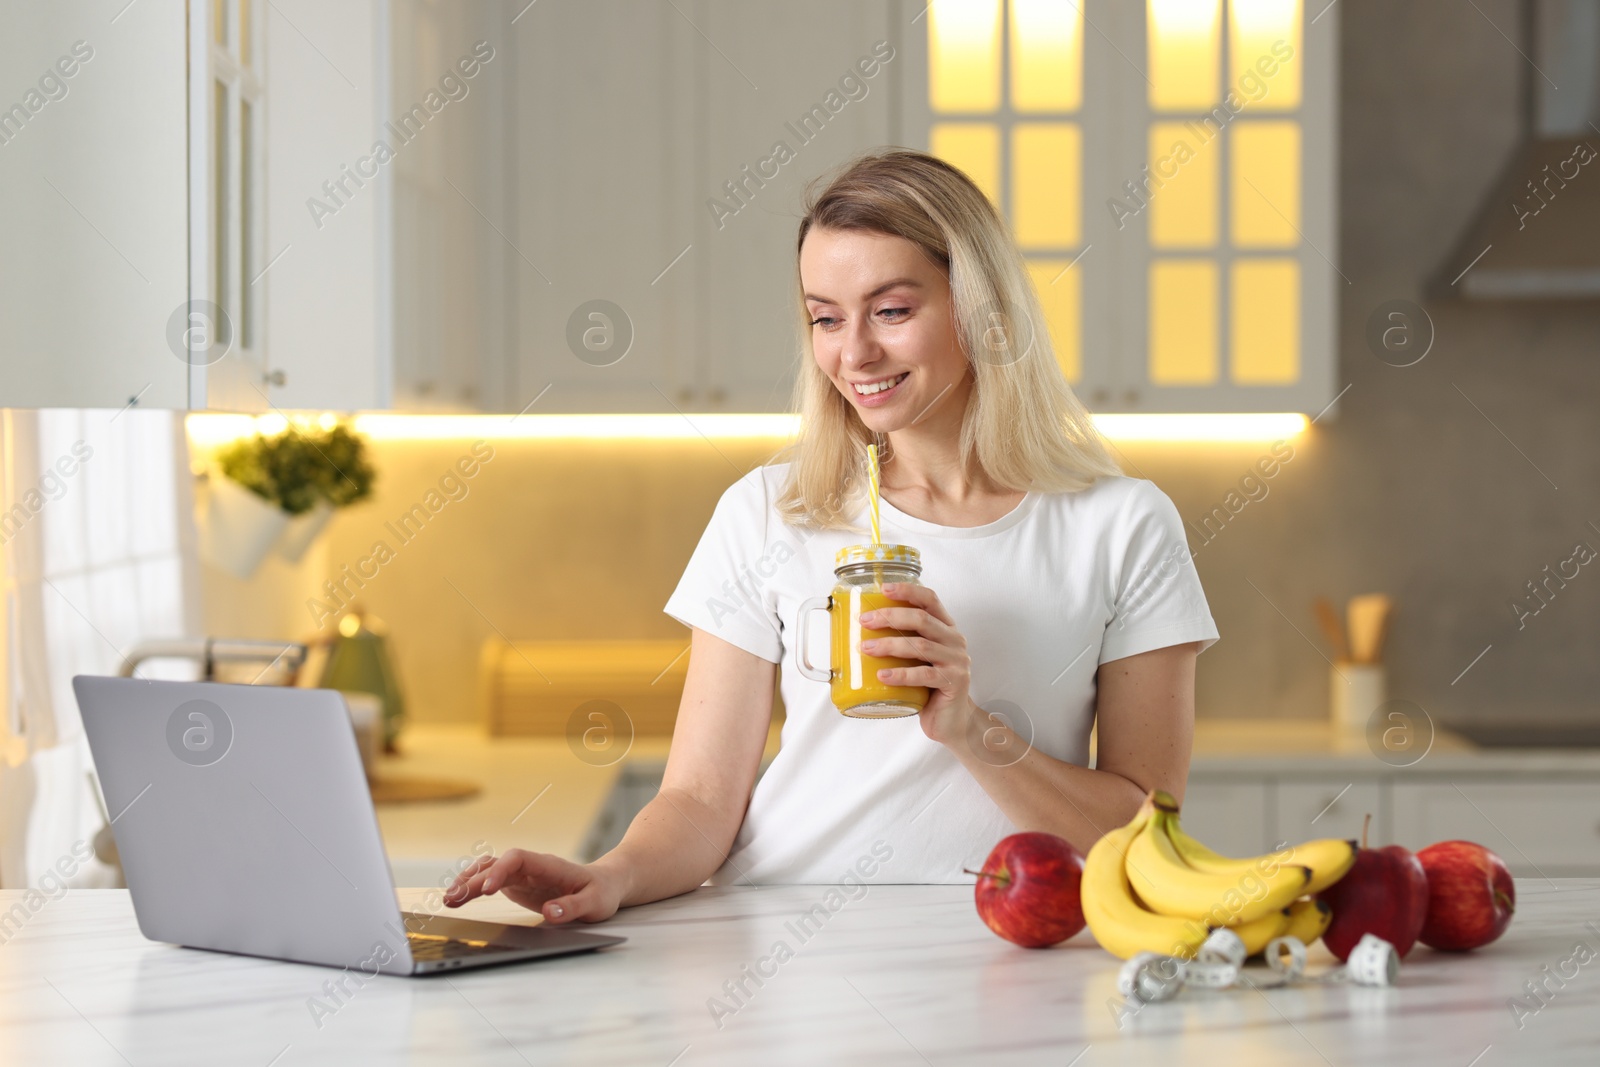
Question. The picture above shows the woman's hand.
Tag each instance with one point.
(558, 889)
(929, 634)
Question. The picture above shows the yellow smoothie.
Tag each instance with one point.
(855, 674)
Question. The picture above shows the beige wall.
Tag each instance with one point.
(586, 539)
(552, 539)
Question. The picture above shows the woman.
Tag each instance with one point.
(1057, 593)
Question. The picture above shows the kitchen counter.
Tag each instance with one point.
(1252, 783)
(900, 975)
(534, 794)
(1226, 746)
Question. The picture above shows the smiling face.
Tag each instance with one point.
(883, 327)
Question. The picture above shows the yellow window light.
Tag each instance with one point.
(1061, 293)
(213, 429)
(1265, 39)
(964, 56)
(1184, 44)
(207, 427)
(1253, 426)
(974, 149)
(1046, 55)
(1264, 321)
(385, 427)
(1184, 208)
(1265, 198)
(1046, 160)
(1183, 322)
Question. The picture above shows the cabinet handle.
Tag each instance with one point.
(1130, 397)
(685, 395)
(718, 396)
(276, 377)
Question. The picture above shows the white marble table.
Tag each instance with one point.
(901, 975)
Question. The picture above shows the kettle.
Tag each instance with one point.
(358, 659)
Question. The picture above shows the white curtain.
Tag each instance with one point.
(97, 535)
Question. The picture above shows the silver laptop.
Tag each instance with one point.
(245, 825)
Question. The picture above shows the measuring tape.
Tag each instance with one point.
(1151, 977)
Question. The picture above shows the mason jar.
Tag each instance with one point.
(860, 573)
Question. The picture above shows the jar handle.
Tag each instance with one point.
(803, 647)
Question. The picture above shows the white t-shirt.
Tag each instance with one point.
(1044, 595)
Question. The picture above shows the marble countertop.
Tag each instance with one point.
(898, 975)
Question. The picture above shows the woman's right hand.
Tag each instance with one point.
(558, 889)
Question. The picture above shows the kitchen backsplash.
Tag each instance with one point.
(586, 539)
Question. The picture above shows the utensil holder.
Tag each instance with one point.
(1357, 690)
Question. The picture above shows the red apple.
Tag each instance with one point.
(1384, 894)
(1027, 891)
(1470, 896)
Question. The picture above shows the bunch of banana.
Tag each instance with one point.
(1149, 887)
(1123, 926)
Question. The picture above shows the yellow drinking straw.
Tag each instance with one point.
(872, 482)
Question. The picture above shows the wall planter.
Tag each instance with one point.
(240, 528)
(280, 492)
(304, 529)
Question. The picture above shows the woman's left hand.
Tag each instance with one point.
(927, 633)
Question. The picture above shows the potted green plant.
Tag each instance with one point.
(280, 491)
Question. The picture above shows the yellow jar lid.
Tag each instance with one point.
(877, 554)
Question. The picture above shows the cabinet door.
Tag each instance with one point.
(781, 82)
(325, 229)
(1226, 206)
(93, 220)
(1328, 808)
(1540, 828)
(1205, 282)
(1039, 131)
(608, 104)
(451, 269)
(1228, 816)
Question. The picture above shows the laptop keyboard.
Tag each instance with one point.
(426, 948)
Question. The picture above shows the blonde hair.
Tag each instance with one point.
(1023, 427)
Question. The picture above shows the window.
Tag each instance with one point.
(1182, 150)
(1006, 100)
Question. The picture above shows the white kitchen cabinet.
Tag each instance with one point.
(323, 258)
(452, 271)
(160, 246)
(391, 279)
(1539, 810)
(615, 198)
(584, 166)
(1329, 807)
(93, 260)
(790, 77)
(287, 223)
(1548, 827)
(1230, 817)
(605, 123)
